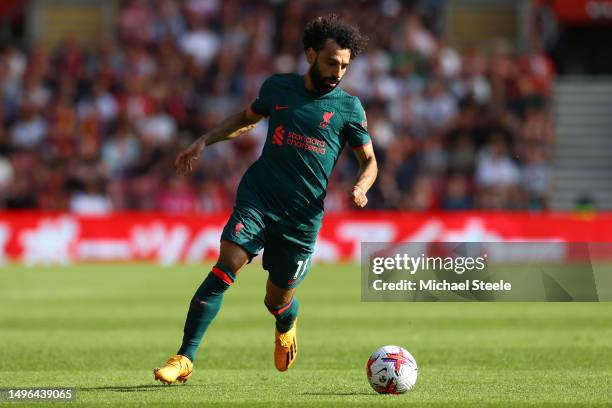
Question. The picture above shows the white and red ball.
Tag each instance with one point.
(391, 370)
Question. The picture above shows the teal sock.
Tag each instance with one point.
(203, 308)
(285, 315)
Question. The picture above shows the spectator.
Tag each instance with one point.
(159, 128)
(30, 128)
(536, 179)
(456, 194)
(121, 151)
(177, 197)
(497, 176)
(91, 200)
(199, 42)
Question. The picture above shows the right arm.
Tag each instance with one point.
(229, 128)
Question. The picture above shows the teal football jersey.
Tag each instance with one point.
(306, 134)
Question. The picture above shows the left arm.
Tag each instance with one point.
(368, 170)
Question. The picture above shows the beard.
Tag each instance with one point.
(322, 84)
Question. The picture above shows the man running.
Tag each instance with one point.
(279, 203)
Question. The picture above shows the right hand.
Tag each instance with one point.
(184, 160)
(359, 197)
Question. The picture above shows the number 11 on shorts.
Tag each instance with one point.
(302, 267)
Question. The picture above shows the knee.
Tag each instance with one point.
(277, 296)
(232, 256)
(271, 304)
(276, 300)
(229, 265)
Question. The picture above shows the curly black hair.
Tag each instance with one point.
(319, 30)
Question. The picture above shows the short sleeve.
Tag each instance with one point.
(262, 105)
(356, 130)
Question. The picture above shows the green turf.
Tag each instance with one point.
(101, 328)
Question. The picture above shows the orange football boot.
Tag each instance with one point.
(285, 348)
(177, 368)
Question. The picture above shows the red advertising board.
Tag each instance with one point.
(43, 238)
(581, 11)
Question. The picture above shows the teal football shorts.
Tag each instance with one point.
(287, 250)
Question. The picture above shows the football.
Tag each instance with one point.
(391, 370)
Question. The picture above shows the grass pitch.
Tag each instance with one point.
(102, 328)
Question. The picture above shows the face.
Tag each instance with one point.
(327, 66)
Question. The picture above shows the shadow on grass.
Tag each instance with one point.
(337, 393)
(131, 388)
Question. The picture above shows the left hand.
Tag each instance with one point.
(184, 161)
(359, 197)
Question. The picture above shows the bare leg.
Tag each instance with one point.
(233, 256)
(282, 304)
(276, 296)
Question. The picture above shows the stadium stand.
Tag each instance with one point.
(96, 130)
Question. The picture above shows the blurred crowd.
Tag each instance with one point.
(97, 129)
